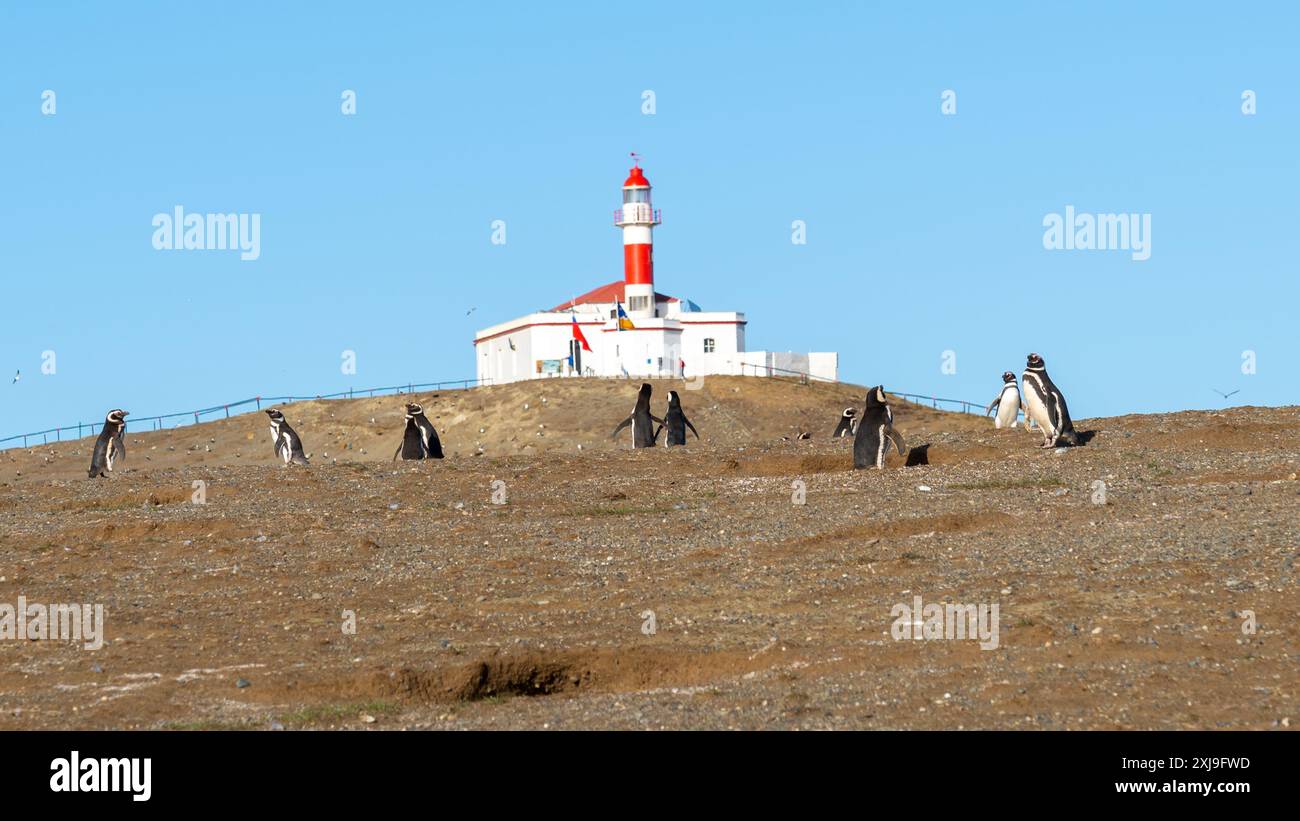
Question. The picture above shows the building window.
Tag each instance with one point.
(639, 303)
(709, 345)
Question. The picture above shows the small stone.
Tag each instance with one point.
(923, 488)
(242, 683)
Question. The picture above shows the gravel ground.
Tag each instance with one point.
(1128, 611)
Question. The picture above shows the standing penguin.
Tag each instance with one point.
(875, 431)
(848, 425)
(1007, 402)
(287, 444)
(1045, 404)
(675, 423)
(110, 447)
(419, 440)
(643, 433)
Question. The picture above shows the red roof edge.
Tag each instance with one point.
(606, 294)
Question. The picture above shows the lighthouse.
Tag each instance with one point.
(667, 337)
(637, 218)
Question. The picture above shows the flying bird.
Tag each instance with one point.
(470, 311)
(17, 375)
(1225, 395)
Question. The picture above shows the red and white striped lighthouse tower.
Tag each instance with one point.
(638, 218)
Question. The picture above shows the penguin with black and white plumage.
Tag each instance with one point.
(1045, 404)
(848, 425)
(675, 423)
(875, 432)
(110, 447)
(419, 440)
(1007, 402)
(287, 444)
(641, 420)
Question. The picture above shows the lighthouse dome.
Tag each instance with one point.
(635, 179)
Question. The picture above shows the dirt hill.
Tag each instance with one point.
(536, 417)
(1147, 579)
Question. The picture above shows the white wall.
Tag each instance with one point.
(682, 337)
(726, 330)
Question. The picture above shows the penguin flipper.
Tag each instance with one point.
(435, 446)
(398, 452)
(1054, 411)
(119, 446)
(621, 425)
(692, 427)
(655, 437)
(897, 439)
(993, 405)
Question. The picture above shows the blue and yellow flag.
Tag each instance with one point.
(624, 324)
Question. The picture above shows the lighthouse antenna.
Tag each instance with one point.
(636, 158)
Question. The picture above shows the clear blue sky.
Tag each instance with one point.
(924, 231)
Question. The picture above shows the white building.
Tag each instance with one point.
(660, 336)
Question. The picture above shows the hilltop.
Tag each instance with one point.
(521, 418)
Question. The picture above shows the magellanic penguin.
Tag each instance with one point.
(1007, 402)
(419, 440)
(110, 447)
(875, 431)
(1045, 404)
(675, 423)
(848, 424)
(643, 432)
(287, 444)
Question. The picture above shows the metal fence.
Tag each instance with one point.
(66, 432)
(805, 378)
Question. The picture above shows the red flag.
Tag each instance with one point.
(577, 334)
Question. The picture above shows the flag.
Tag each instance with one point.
(578, 335)
(624, 324)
